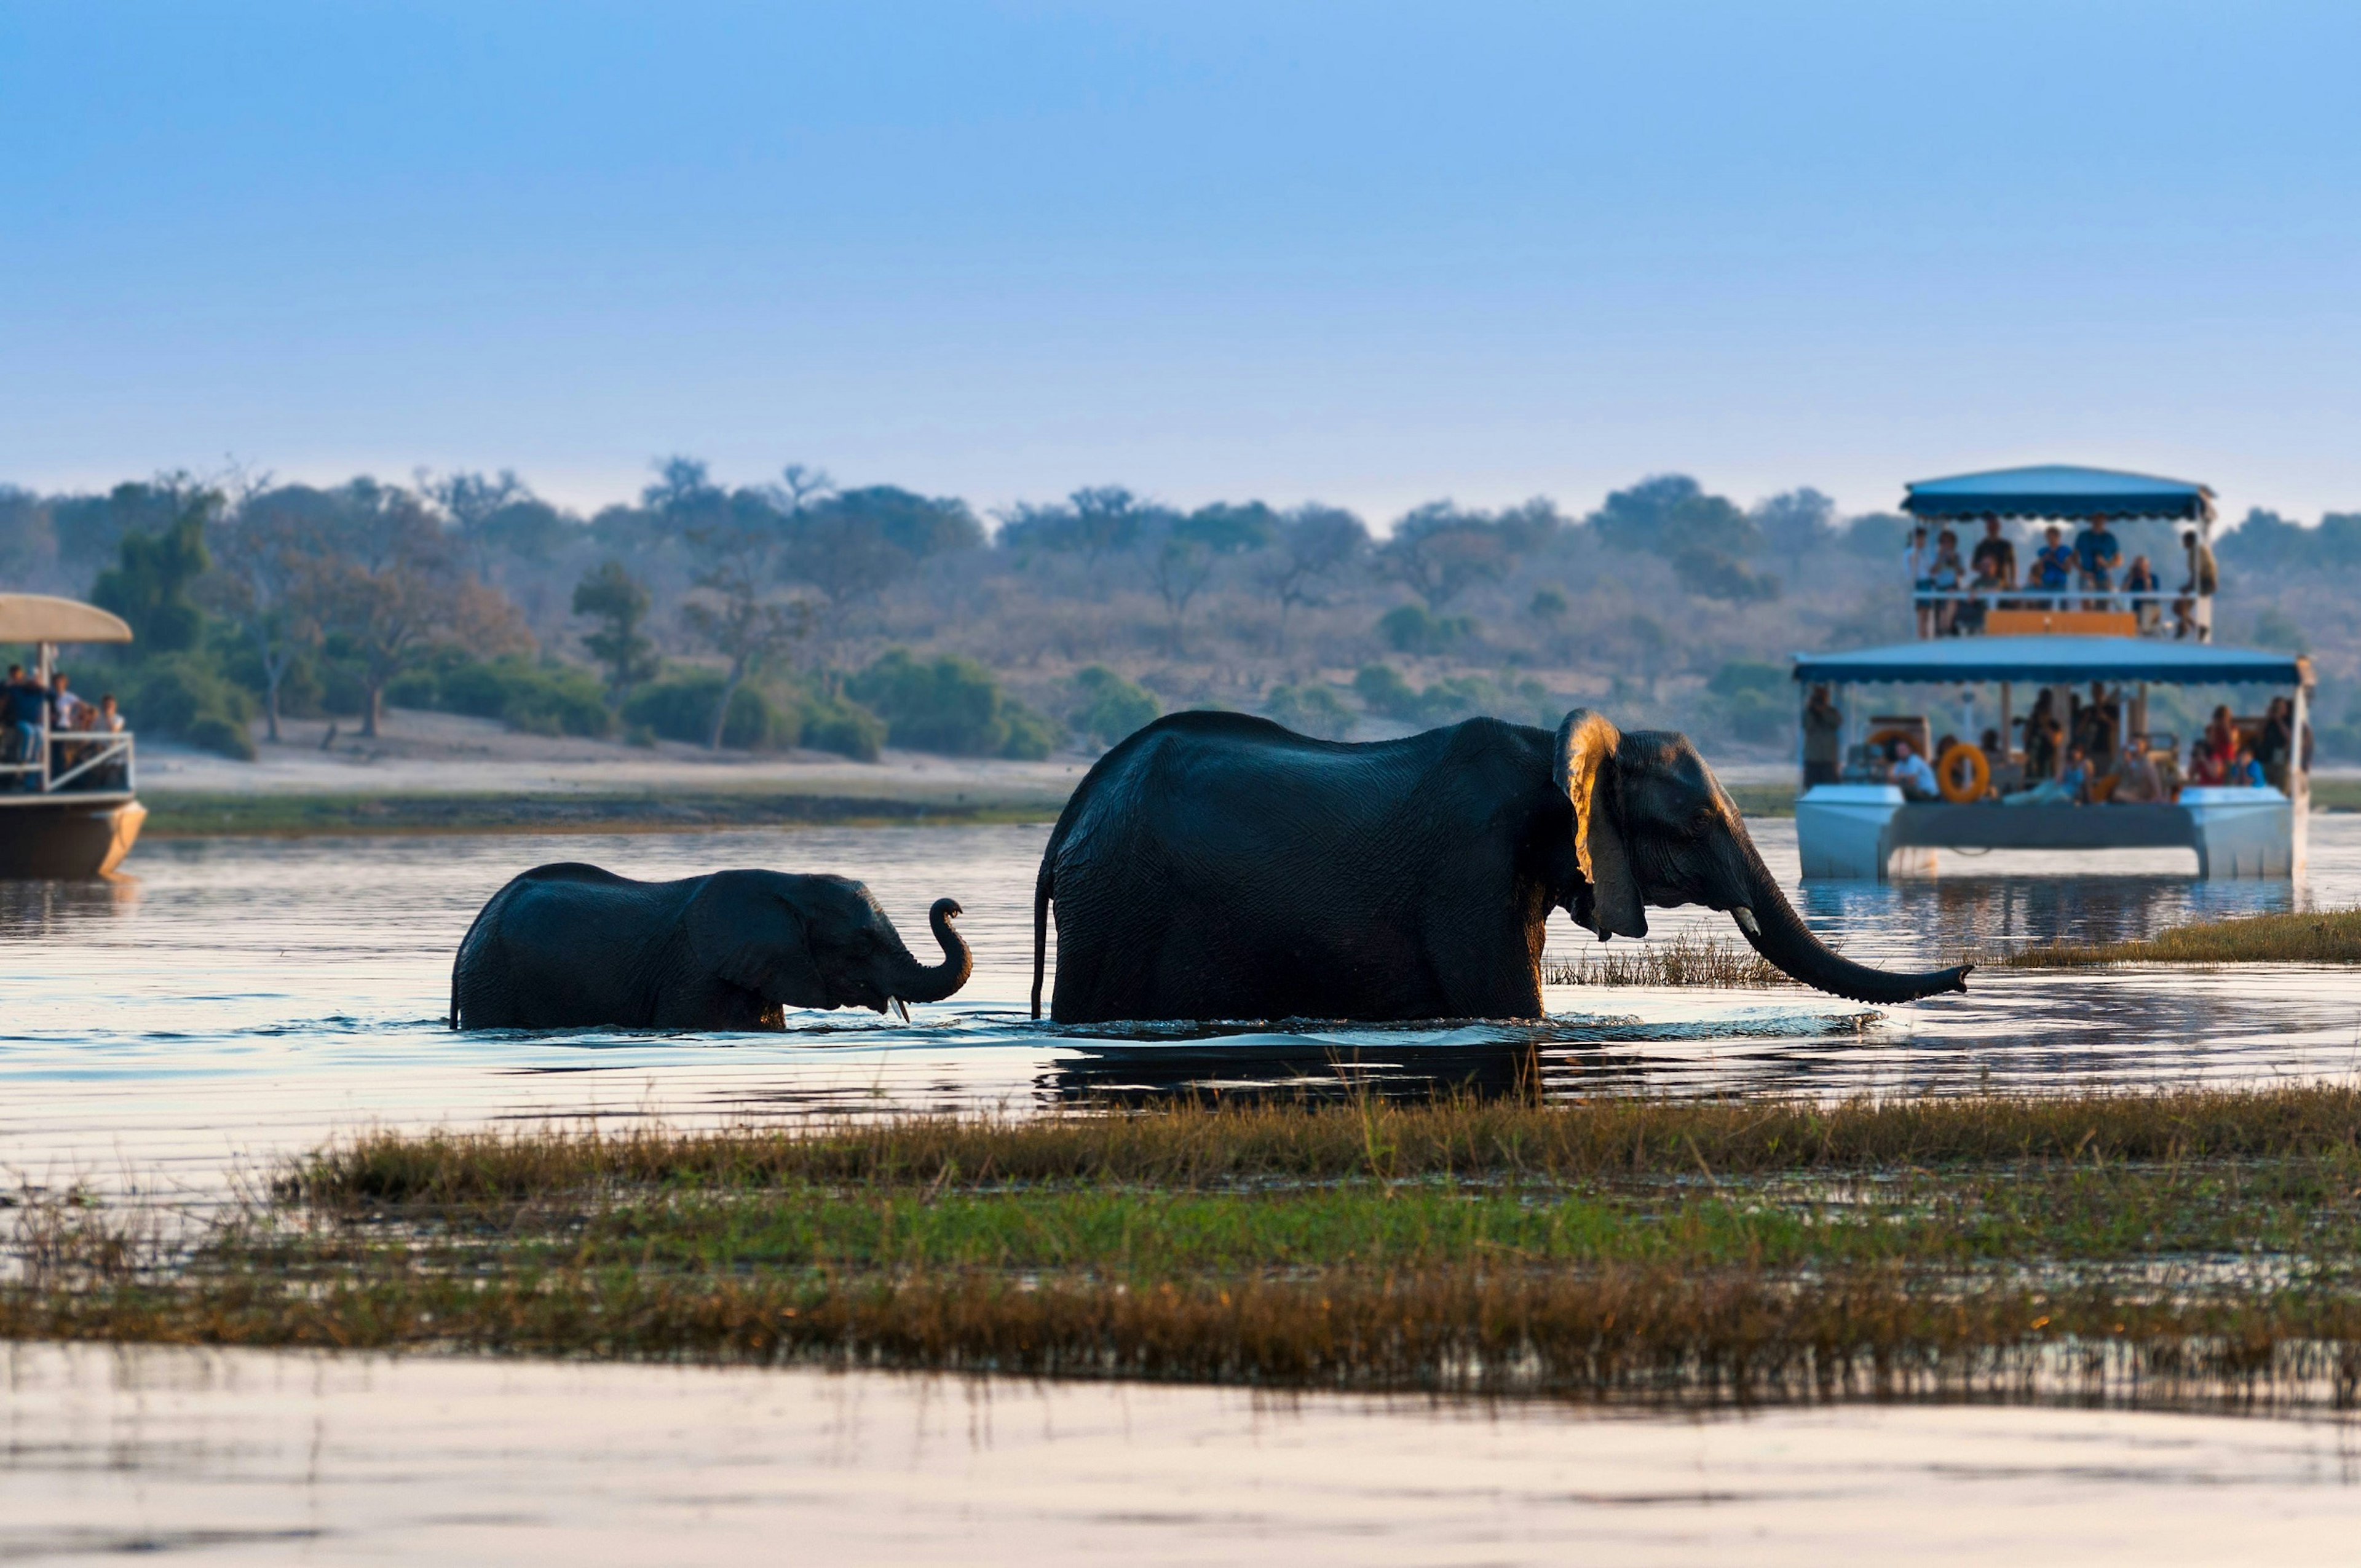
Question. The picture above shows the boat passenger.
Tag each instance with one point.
(1823, 738)
(2140, 580)
(2053, 566)
(107, 719)
(1947, 575)
(1911, 772)
(28, 705)
(2276, 744)
(2043, 737)
(65, 707)
(1996, 556)
(2137, 781)
(2075, 782)
(1919, 555)
(2204, 580)
(2096, 556)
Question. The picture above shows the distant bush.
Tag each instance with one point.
(1108, 707)
(1312, 708)
(950, 704)
(679, 707)
(1383, 691)
(539, 697)
(1754, 698)
(832, 724)
(1412, 629)
(184, 696)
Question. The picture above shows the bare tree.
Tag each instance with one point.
(394, 587)
(737, 616)
(266, 559)
(1314, 544)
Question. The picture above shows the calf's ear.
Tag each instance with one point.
(756, 941)
(1585, 771)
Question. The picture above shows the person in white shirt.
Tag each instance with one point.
(65, 708)
(1912, 773)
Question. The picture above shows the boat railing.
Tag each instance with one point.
(70, 760)
(2190, 614)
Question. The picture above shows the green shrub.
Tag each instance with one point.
(1313, 710)
(679, 707)
(1383, 692)
(949, 704)
(832, 724)
(544, 697)
(1409, 628)
(186, 697)
(1108, 707)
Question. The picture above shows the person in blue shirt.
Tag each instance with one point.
(1911, 772)
(2096, 558)
(2053, 566)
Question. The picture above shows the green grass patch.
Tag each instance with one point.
(2188, 1247)
(2324, 937)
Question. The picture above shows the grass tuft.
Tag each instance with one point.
(2327, 937)
(1685, 960)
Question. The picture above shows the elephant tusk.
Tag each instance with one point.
(1746, 921)
(903, 1008)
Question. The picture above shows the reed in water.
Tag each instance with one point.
(1685, 959)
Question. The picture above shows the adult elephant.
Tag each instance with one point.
(571, 945)
(1217, 866)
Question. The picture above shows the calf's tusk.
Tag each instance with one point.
(903, 1008)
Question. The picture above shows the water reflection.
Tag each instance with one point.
(29, 910)
(308, 1458)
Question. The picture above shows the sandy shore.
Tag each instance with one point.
(439, 753)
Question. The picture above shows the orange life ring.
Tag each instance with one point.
(1960, 791)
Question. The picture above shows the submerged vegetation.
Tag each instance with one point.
(2187, 1246)
(2324, 936)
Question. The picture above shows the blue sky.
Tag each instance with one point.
(1372, 254)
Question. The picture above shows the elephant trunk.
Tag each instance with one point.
(917, 982)
(1774, 928)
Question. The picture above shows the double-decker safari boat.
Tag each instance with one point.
(67, 801)
(2056, 712)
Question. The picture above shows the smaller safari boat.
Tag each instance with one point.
(68, 802)
(1957, 697)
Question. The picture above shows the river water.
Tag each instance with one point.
(232, 1000)
(229, 1002)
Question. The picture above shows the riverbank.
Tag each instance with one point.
(2174, 1248)
(179, 815)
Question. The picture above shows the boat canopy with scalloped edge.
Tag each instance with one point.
(41, 618)
(2059, 491)
(2044, 660)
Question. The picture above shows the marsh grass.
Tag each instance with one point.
(1190, 1147)
(2327, 937)
(1685, 959)
(2177, 1247)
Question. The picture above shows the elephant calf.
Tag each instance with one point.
(571, 945)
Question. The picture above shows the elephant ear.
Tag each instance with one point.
(755, 939)
(1586, 745)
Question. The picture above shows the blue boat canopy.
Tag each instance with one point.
(2050, 660)
(2059, 491)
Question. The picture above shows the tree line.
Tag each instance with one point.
(796, 612)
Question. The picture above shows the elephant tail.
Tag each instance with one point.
(1041, 932)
